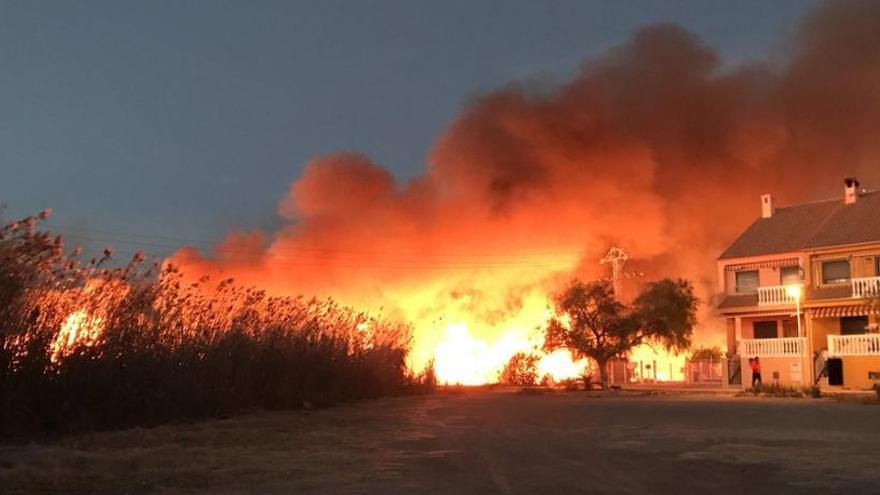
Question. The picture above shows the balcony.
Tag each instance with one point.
(774, 295)
(865, 287)
(854, 345)
(787, 347)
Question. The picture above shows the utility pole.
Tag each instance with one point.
(616, 257)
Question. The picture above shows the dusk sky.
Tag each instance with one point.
(156, 124)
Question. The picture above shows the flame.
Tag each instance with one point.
(462, 358)
(79, 329)
(560, 366)
(657, 364)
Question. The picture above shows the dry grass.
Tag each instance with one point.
(148, 346)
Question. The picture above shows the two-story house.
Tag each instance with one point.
(800, 287)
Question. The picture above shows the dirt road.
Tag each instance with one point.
(479, 442)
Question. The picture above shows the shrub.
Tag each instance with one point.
(85, 347)
(521, 370)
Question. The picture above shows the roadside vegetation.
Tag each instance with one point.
(776, 390)
(87, 347)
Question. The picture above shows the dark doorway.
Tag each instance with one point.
(765, 329)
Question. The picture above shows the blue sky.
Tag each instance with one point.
(152, 123)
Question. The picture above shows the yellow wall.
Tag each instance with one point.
(821, 328)
(769, 365)
(855, 371)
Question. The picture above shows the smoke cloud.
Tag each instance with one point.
(656, 146)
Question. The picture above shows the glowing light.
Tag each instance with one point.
(794, 291)
(462, 358)
(560, 366)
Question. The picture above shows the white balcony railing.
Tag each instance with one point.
(854, 345)
(771, 347)
(866, 287)
(774, 295)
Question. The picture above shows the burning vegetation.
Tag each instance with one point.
(88, 347)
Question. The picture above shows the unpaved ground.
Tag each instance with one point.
(480, 442)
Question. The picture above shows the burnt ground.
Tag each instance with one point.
(479, 442)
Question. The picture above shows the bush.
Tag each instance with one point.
(521, 370)
(83, 347)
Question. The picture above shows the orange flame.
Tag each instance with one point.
(78, 329)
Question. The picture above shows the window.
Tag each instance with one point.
(835, 272)
(877, 266)
(789, 275)
(747, 281)
(765, 329)
(789, 328)
(853, 325)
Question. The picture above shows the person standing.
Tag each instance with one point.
(821, 365)
(755, 364)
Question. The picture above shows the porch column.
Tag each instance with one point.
(737, 332)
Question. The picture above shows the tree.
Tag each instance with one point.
(591, 322)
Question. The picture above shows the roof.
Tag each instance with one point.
(811, 226)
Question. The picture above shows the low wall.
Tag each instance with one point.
(855, 371)
(785, 368)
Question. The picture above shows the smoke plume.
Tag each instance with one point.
(656, 146)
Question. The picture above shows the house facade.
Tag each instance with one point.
(800, 290)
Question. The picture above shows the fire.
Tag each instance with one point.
(79, 329)
(461, 358)
(560, 366)
(656, 364)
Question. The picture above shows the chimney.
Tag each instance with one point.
(850, 190)
(766, 206)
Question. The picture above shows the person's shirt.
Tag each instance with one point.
(756, 366)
